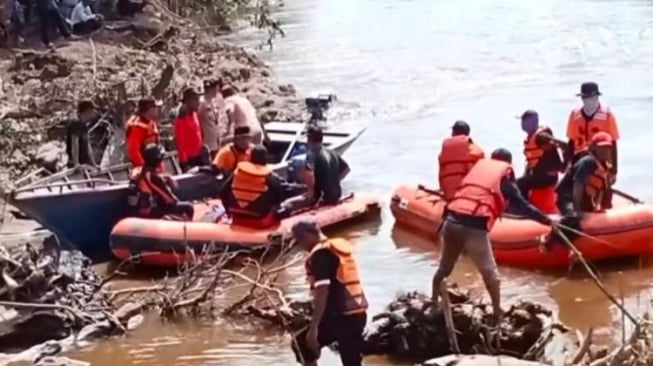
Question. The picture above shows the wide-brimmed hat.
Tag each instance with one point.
(589, 89)
(146, 103)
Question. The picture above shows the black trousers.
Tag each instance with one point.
(49, 19)
(347, 330)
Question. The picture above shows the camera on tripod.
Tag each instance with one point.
(317, 105)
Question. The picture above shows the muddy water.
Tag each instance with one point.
(407, 69)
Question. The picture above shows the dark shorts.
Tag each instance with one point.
(347, 331)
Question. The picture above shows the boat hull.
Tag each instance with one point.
(622, 231)
(165, 243)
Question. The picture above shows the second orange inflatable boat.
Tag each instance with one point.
(165, 242)
(625, 230)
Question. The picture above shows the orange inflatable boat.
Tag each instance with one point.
(165, 242)
(626, 230)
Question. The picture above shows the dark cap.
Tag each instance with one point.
(147, 103)
(589, 89)
(242, 131)
(305, 226)
(529, 113)
(460, 128)
(85, 105)
(189, 93)
(211, 83)
(602, 139)
(502, 154)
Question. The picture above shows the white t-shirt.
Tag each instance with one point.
(212, 121)
(244, 115)
(81, 13)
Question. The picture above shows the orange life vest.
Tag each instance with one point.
(480, 192)
(596, 186)
(580, 130)
(152, 129)
(457, 157)
(249, 189)
(532, 151)
(353, 299)
(233, 159)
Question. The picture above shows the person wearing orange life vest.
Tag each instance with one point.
(235, 152)
(188, 135)
(585, 187)
(151, 196)
(457, 157)
(339, 303)
(543, 163)
(585, 121)
(142, 129)
(471, 214)
(254, 193)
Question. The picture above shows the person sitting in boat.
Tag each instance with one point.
(457, 157)
(152, 196)
(584, 187)
(543, 163)
(253, 194)
(471, 214)
(142, 129)
(235, 152)
(323, 172)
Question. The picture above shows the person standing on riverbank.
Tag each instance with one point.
(240, 113)
(212, 115)
(457, 157)
(339, 303)
(481, 199)
(188, 135)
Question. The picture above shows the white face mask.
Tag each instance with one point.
(591, 105)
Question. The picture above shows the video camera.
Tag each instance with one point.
(317, 105)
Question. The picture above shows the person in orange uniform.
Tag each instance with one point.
(590, 118)
(339, 303)
(151, 195)
(543, 163)
(471, 214)
(142, 129)
(188, 135)
(234, 152)
(253, 193)
(457, 157)
(585, 187)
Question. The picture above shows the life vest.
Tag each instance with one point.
(152, 129)
(596, 186)
(580, 130)
(480, 192)
(352, 299)
(532, 151)
(249, 191)
(456, 159)
(235, 158)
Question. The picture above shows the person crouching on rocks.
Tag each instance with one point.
(151, 195)
(339, 303)
(471, 214)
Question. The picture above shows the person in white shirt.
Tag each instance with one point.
(241, 112)
(212, 117)
(82, 18)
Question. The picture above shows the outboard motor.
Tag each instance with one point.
(317, 105)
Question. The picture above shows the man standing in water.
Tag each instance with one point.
(471, 214)
(339, 304)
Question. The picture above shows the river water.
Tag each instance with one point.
(407, 69)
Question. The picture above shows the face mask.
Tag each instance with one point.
(529, 124)
(591, 105)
